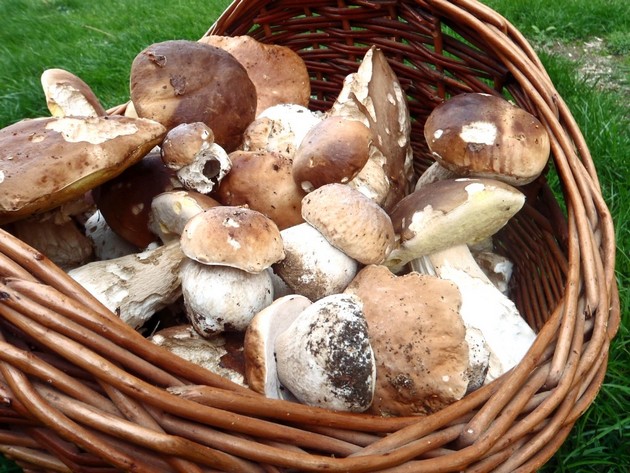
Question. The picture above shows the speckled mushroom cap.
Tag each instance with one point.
(450, 212)
(279, 73)
(181, 81)
(46, 162)
(350, 221)
(262, 181)
(233, 236)
(483, 135)
(418, 340)
(68, 95)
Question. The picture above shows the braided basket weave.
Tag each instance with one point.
(80, 391)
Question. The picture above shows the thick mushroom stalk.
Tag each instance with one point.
(434, 224)
(135, 286)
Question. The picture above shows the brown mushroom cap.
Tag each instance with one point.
(46, 162)
(263, 182)
(418, 340)
(351, 222)
(334, 150)
(483, 135)
(181, 81)
(233, 236)
(68, 95)
(182, 143)
(279, 73)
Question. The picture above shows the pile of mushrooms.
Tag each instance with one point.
(216, 210)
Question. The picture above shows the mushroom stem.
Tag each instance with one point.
(484, 307)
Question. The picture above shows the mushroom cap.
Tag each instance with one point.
(233, 236)
(221, 354)
(333, 150)
(483, 135)
(351, 222)
(449, 212)
(418, 340)
(278, 72)
(180, 81)
(182, 144)
(259, 344)
(262, 181)
(69, 96)
(171, 210)
(45, 162)
(325, 359)
(125, 200)
(235, 296)
(312, 266)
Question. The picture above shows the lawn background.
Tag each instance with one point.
(98, 40)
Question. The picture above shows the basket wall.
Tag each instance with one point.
(82, 392)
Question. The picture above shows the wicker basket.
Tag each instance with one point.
(80, 391)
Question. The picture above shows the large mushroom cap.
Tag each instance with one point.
(279, 73)
(46, 162)
(68, 95)
(233, 236)
(181, 81)
(418, 340)
(484, 135)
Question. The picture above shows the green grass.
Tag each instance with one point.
(98, 40)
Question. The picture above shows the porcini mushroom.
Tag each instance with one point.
(325, 358)
(45, 162)
(69, 96)
(482, 135)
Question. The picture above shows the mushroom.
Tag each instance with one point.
(312, 266)
(69, 96)
(418, 339)
(262, 181)
(180, 81)
(45, 162)
(106, 242)
(278, 73)
(373, 95)
(259, 344)
(434, 225)
(200, 163)
(222, 354)
(229, 250)
(134, 286)
(325, 358)
(333, 150)
(125, 200)
(351, 222)
(171, 210)
(482, 135)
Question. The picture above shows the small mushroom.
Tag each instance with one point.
(259, 344)
(351, 222)
(106, 242)
(334, 150)
(69, 96)
(325, 358)
(482, 135)
(200, 163)
(312, 266)
(180, 81)
(279, 73)
(46, 162)
(418, 338)
(228, 249)
(134, 286)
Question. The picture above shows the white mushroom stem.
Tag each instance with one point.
(134, 286)
(204, 174)
(484, 307)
